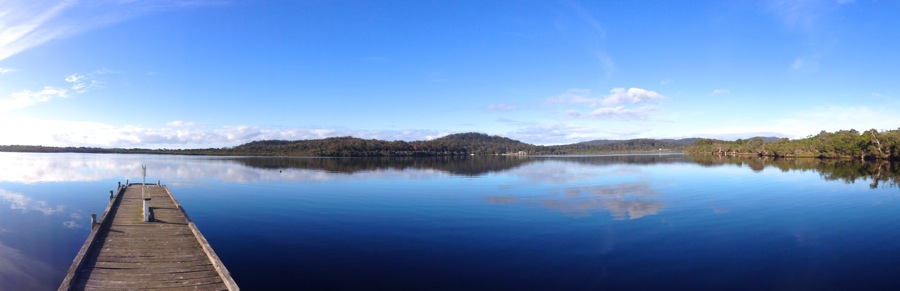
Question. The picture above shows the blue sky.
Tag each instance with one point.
(188, 74)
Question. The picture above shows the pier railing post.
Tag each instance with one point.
(110, 194)
(144, 193)
(93, 220)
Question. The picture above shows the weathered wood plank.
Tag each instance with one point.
(168, 252)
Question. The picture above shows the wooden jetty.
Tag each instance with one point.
(167, 252)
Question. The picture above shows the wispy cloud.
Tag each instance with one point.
(587, 17)
(596, 34)
(574, 96)
(501, 107)
(666, 82)
(819, 22)
(29, 23)
(609, 66)
(720, 91)
(804, 15)
(562, 133)
(622, 112)
(4, 71)
(806, 63)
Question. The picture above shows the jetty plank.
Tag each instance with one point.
(167, 253)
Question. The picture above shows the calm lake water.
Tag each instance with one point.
(640, 222)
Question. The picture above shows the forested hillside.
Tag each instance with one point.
(870, 144)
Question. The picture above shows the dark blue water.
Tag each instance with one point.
(591, 222)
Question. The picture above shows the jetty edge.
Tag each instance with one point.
(166, 252)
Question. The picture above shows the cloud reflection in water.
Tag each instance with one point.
(623, 201)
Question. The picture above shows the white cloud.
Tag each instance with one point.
(25, 98)
(4, 71)
(179, 123)
(666, 82)
(619, 96)
(720, 91)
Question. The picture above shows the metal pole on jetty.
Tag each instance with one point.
(144, 193)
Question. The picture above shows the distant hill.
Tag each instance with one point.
(471, 143)
(454, 144)
(631, 145)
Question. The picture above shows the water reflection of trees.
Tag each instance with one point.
(457, 165)
(466, 166)
(881, 173)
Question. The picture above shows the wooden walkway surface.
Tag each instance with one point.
(123, 252)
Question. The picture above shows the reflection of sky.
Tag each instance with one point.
(17, 269)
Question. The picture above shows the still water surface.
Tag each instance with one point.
(565, 223)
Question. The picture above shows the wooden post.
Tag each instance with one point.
(120, 184)
(158, 183)
(110, 194)
(93, 220)
(146, 209)
(126, 182)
